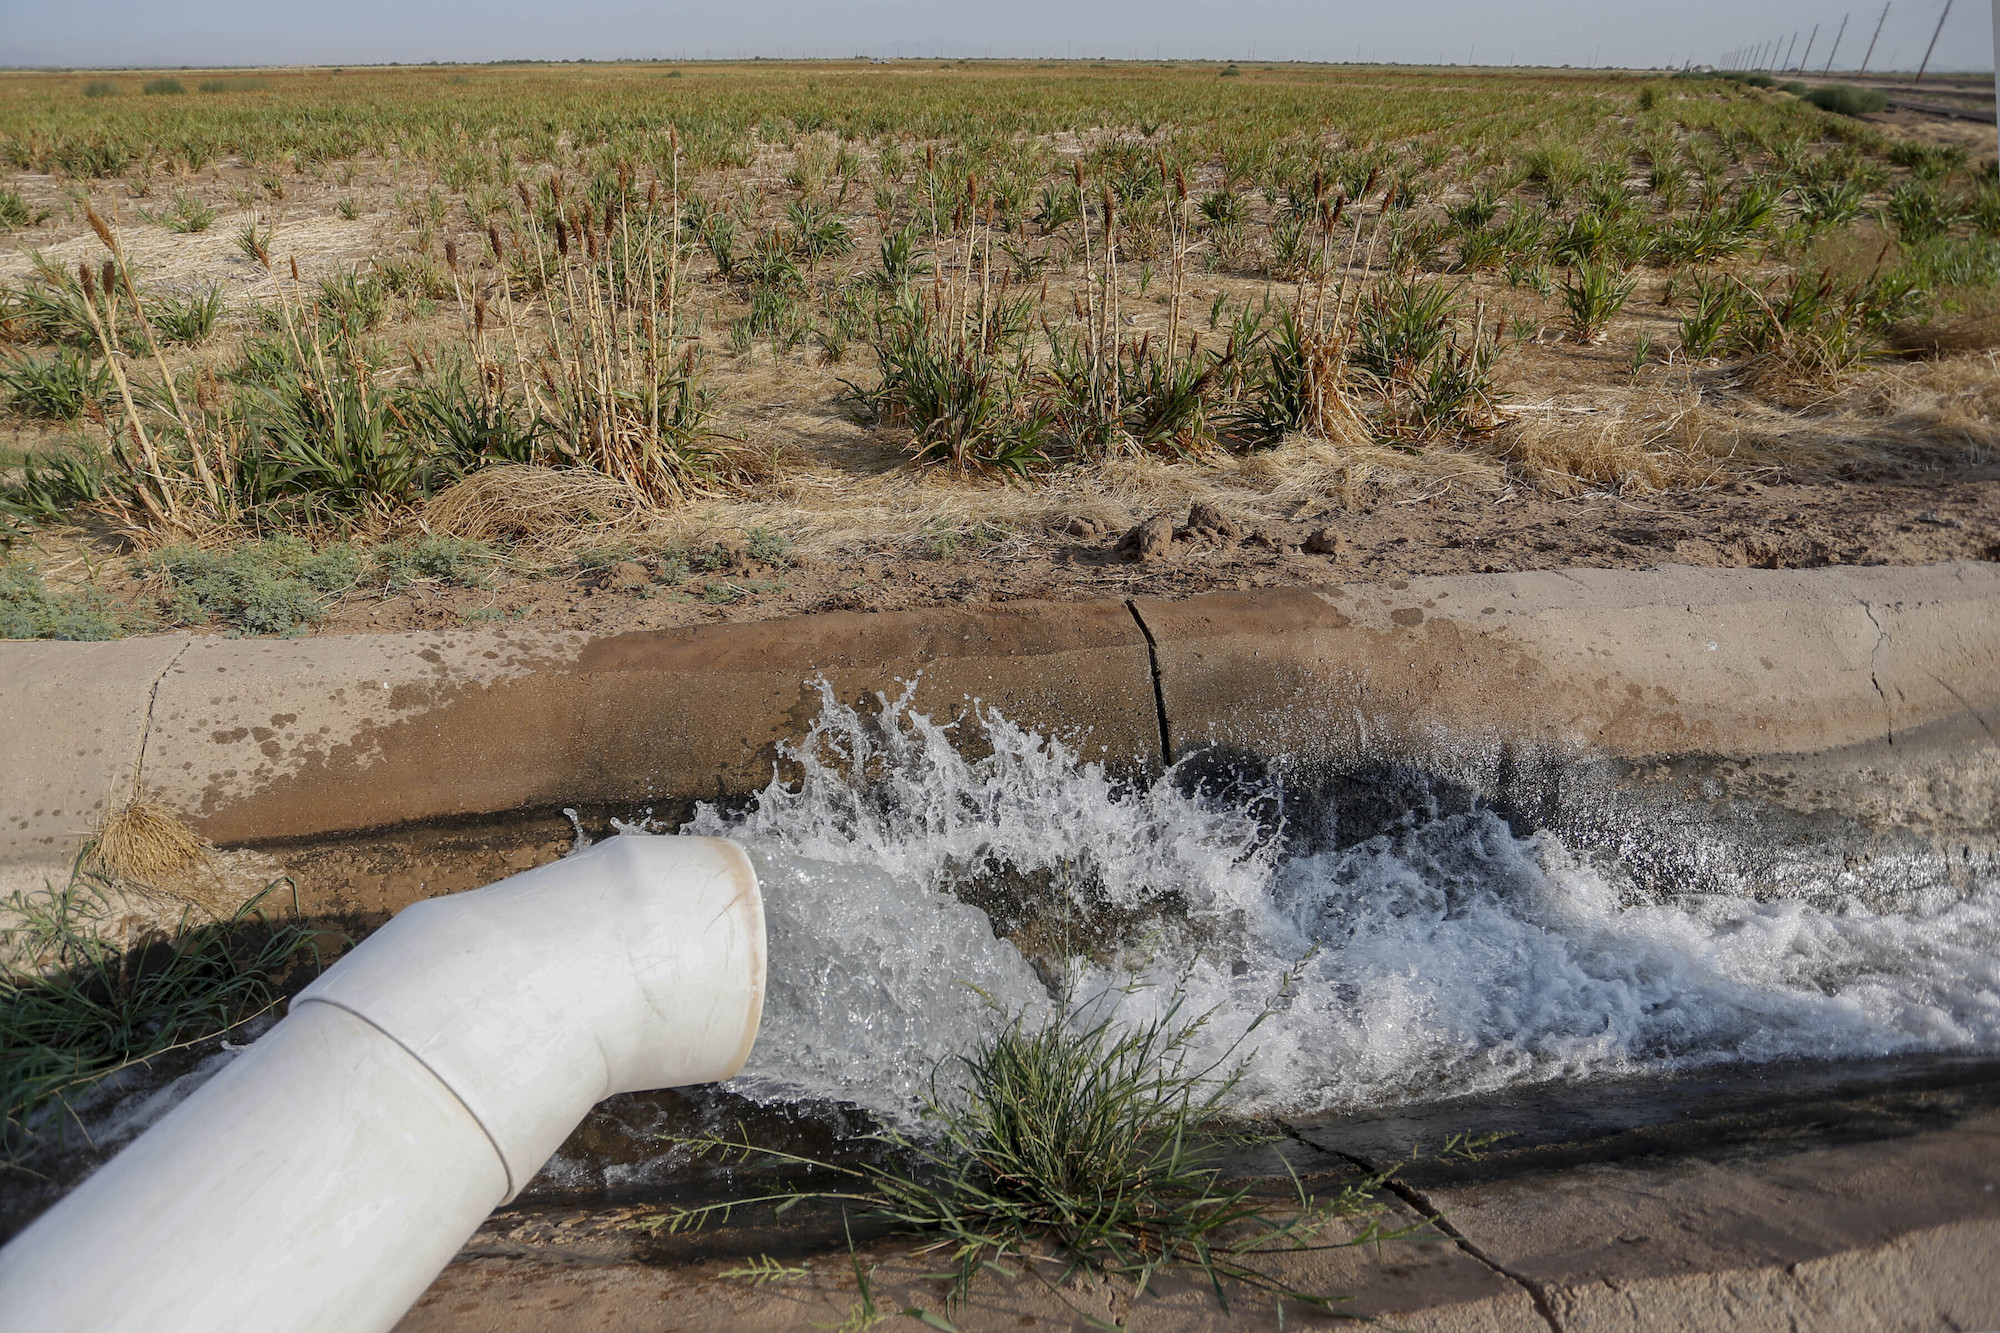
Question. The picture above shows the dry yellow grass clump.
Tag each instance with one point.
(518, 501)
(146, 843)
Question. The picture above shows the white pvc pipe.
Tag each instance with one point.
(328, 1174)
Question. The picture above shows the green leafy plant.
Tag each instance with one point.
(166, 87)
(55, 484)
(14, 211)
(280, 585)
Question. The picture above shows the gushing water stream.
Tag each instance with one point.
(1448, 956)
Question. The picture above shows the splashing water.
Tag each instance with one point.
(1445, 958)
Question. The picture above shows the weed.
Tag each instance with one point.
(168, 87)
(1103, 1143)
(14, 211)
(78, 1002)
(100, 88)
(1593, 294)
(280, 585)
(770, 547)
(429, 558)
(59, 387)
(29, 609)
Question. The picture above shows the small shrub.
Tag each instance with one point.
(100, 88)
(432, 558)
(163, 88)
(277, 586)
(29, 609)
(1847, 100)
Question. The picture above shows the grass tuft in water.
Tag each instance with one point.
(1093, 1147)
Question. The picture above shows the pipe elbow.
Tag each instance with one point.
(636, 964)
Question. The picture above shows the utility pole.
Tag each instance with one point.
(1788, 55)
(1933, 46)
(1807, 57)
(1836, 45)
(1872, 40)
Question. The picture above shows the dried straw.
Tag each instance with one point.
(522, 502)
(146, 843)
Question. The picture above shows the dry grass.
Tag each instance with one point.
(147, 844)
(542, 505)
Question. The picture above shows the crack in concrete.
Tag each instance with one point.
(146, 731)
(1977, 716)
(1537, 1293)
(1159, 690)
(1881, 637)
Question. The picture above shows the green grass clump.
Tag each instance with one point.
(163, 88)
(187, 320)
(1848, 100)
(57, 387)
(280, 585)
(1100, 1142)
(13, 208)
(100, 88)
(53, 485)
(29, 609)
(75, 1006)
(431, 558)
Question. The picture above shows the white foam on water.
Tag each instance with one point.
(1447, 958)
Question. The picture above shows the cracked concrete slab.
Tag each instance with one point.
(1899, 1233)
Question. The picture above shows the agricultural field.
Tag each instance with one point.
(619, 346)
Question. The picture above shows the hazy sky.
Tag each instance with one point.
(1551, 32)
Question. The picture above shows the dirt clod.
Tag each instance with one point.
(627, 574)
(1150, 540)
(1205, 517)
(1323, 541)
